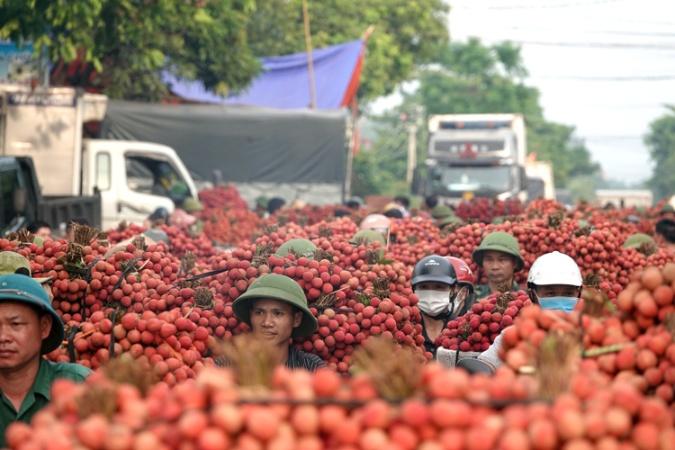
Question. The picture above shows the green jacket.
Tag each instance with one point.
(39, 395)
(483, 290)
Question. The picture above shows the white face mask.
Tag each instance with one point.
(433, 303)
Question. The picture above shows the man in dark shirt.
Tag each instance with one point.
(498, 257)
(275, 307)
(29, 328)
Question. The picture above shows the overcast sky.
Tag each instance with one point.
(604, 66)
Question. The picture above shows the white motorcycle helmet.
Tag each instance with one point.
(554, 268)
(554, 273)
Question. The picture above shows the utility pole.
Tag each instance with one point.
(310, 59)
(412, 151)
(413, 126)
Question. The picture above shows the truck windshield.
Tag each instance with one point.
(154, 176)
(470, 178)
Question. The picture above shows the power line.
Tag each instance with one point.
(613, 138)
(538, 5)
(609, 32)
(601, 45)
(607, 78)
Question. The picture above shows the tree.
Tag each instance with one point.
(380, 170)
(473, 78)
(406, 34)
(661, 143)
(129, 42)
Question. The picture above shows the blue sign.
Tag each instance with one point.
(17, 64)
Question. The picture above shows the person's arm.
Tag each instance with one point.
(491, 355)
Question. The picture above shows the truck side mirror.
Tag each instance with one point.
(523, 178)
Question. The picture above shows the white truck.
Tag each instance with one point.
(471, 155)
(539, 179)
(132, 178)
(625, 198)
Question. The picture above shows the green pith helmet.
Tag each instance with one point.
(276, 287)
(499, 241)
(368, 237)
(191, 205)
(23, 289)
(299, 247)
(441, 211)
(261, 202)
(38, 241)
(667, 208)
(449, 220)
(12, 262)
(637, 239)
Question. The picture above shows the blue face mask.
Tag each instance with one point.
(566, 304)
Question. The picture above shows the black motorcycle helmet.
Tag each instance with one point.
(435, 269)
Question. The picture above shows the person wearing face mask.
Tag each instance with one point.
(554, 282)
(435, 283)
(466, 281)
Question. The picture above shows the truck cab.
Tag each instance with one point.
(22, 202)
(475, 155)
(134, 178)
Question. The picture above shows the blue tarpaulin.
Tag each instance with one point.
(284, 81)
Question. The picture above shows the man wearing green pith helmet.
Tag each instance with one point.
(275, 307)
(29, 328)
(498, 257)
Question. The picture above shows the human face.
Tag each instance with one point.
(274, 320)
(21, 334)
(556, 290)
(498, 266)
(44, 232)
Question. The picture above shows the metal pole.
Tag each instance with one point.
(412, 151)
(310, 60)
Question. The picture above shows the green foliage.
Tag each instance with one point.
(381, 169)
(474, 78)
(469, 77)
(582, 188)
(555, 142)
(131, 41)
(661, 143)
(406, 33)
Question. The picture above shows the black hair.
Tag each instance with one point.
(160, 213)
(431, 201)
(36, 225)
(393, 213)
(275, 204)
(666, 228)
(352, 204)
(341, 213)
(402, 200)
